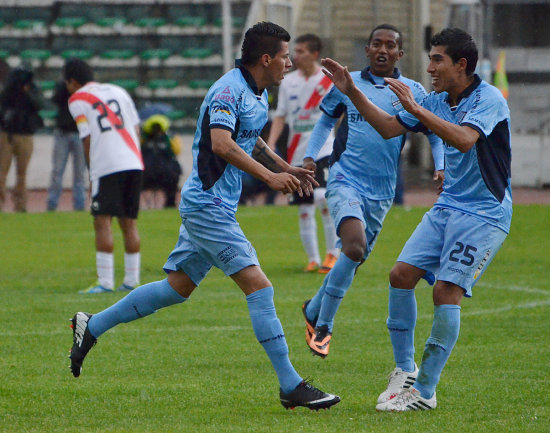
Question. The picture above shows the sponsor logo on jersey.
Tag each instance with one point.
(225, 95)
(222, 109)
(482, 264)
(353, 203)
(461, 116)
(355, 117)
(217, 201)
(250, 133)
(227, 254)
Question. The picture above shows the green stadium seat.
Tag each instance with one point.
(2, 23)
(237, 22)
(197, 53)
(48, 114)
(28, 24)
(46, 85)
(71, 22)
(162, 83)
(117, 54)
(191, 22)
(150, 22)
(35, 54)
(79, 54)
(4, 54)
(112, 22)
(156, 53)
(201, 84)
(127, 83)
(176, 114)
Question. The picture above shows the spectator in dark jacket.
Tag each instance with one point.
(20, 102)
(66, 141)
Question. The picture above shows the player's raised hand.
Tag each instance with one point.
(403, 92)
(339, 75)
(306, 178)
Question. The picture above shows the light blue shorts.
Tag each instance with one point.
(210, 237)
(345, 202)
(454, 246)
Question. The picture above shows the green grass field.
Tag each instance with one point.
(197, 367)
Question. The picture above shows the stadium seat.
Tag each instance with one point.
(237, 22)
(29, 24)
(46, 85)
(70, 22)
(201, 84)
(48, 114)
(79, 54)
(162, 83)
(111, 22)
(197, 53)
(150, 22)
(156, 53)
(117, 54)
(191, 22)
(126, 83)
(176, 114)
(35, 54)
(4, 54)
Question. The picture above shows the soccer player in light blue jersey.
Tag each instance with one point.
(457, 239)
(363, 172)
(231, 118)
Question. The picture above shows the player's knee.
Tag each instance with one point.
(355, 250)
(399, 278)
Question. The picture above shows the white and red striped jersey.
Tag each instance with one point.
(299, 100)
(107, 114)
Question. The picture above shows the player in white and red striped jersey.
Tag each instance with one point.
(108, 125)
(299, 100)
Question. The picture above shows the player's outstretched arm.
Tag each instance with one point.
(269, 159)
(386, 125)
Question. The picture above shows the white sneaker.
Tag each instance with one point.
(408, 399)
(398, 380)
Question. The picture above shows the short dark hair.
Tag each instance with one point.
(312, 41)
(78, 70)
(388, 27)
(262, 38)
(458, 44)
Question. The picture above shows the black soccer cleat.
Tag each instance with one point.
(306, 395)
(83, 341)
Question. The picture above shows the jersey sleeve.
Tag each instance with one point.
(485, 114)
(78, 111)
(409, 121)
(223, 110)
(333, 103)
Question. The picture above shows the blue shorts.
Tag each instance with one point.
(454, 246)
(210, 237)
(345, 202)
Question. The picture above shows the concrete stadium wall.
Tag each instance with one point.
(530, 162)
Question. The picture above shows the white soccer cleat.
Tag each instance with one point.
(408, 399)
(398, 380)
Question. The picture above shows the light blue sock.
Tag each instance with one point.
(140, 302)
(401, 322)
(445, 329)
(269, 333)
(338, 282)
(312, 310)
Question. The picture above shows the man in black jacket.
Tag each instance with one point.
(20, 102)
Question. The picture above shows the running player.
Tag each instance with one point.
(458, 238)
(108, 125)
(231, 119)
(298, 103)
(363, 173)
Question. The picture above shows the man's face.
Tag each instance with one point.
(383, 52)
(444, 72)
(279, 65)
(72, 85)
(303, 57)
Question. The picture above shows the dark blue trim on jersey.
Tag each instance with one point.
(494, 157)
(209, 165)
(338, 111)
(250, 80)
(220, 126)
(366, 75)
(341, 139)
(467, 91)
(419, 127)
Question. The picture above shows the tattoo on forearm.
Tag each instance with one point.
(262, 154)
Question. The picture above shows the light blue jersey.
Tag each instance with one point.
(361, 156)
(476, 182)
(233, 103)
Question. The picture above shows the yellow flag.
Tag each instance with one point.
(500, 79)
